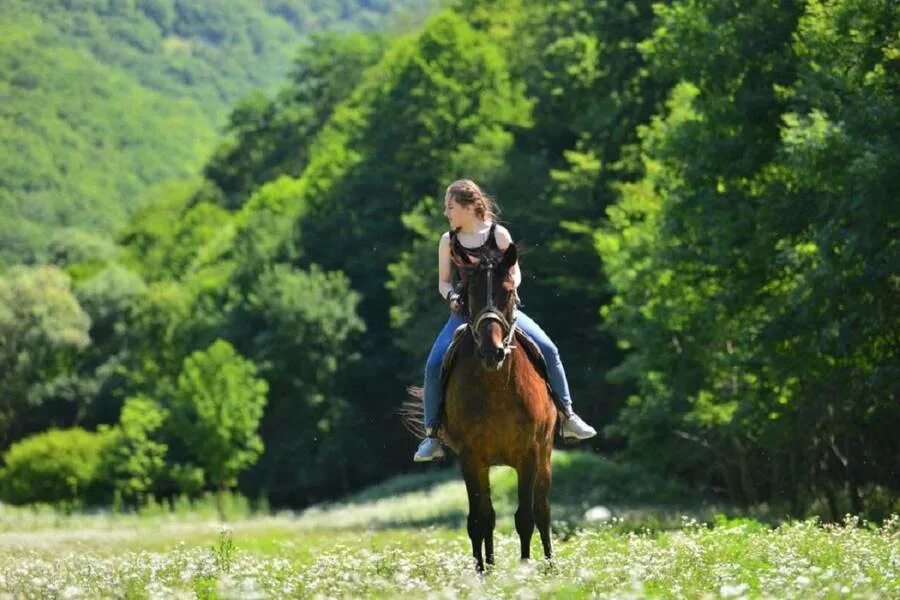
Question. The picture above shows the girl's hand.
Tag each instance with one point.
(453, 301)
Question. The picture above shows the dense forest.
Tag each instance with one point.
(707, 196)
(101, 101)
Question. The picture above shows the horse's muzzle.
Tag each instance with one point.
(492, 346)
(492, 358)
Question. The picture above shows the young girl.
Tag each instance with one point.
(473, 226)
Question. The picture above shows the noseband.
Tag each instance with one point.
(492, 313)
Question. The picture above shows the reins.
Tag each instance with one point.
(492, 313)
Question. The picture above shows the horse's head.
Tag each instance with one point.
(492, 304)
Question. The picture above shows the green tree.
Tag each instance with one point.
(302, 328)
(136, 458)
(216, 408)
(161, 240)
(81, 253)
(43, 328)
(694, 260)
(750, 264)
(109, 297)
(269, 138)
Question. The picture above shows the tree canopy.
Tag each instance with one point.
(705, 192)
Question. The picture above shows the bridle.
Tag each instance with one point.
(490, 312)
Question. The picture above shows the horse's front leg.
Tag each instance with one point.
(481, 513)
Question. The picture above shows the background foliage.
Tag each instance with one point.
(706, 192)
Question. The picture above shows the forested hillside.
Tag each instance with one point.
(102, 101)
(707, 199)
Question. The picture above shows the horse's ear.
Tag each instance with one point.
(509, 257)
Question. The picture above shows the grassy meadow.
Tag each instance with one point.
(407, 538)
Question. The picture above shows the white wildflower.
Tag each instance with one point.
(733, 591)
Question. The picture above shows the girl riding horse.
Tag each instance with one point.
(473, 231)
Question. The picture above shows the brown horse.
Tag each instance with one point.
(498, 410)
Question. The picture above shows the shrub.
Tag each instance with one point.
(135, 459)
(58, 465)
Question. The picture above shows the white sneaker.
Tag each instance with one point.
(575, 429)
(429, 449)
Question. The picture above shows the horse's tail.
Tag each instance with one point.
(412, 411)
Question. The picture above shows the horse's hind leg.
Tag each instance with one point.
(542, 503)
(481, 512)
(525, 512)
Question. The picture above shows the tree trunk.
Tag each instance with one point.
(747, 484)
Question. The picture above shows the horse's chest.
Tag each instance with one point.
(482, 396)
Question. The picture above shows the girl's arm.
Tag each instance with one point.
(445, 283)
(504, 239)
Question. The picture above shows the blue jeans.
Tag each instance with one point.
(558, 380)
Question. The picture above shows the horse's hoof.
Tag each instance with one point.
(549, 565)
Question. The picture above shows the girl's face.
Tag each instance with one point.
(458, 214)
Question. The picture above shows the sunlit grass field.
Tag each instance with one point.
(407, 538)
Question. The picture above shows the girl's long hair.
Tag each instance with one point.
(467, 192)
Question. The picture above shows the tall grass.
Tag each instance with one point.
(406, 537)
